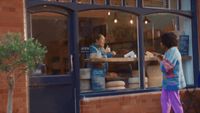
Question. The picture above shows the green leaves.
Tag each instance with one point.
(14, 52)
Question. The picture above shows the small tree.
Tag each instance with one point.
(17, 57)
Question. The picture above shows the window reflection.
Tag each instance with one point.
(51, 31)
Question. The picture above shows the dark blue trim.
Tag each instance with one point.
(85, 7)
(107, 2)
(195, 41)
(118, 92)
(92, 1)
(123, 3)
(123, 92)
(49, 11)
(141, 51)
(68, 6)
(179, 4)
(75, 52)
(46, 80)
(147, 11)
(74, 1)
(139, 3)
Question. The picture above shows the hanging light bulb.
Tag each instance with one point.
(131, 20)
(115, 18)
(108, 13)
(146, 20)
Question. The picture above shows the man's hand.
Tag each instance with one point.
(113, 53)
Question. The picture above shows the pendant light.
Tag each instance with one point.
(115, 18)
(131, 20)
(146, 20)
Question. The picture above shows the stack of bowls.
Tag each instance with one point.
(85, 79)
(134, 82)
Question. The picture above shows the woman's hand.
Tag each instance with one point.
(158, 56)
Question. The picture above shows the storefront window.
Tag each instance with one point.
(98, 70)
(51, 30)
(168, 4)
(153, 29)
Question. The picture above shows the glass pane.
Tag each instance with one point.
(181, 26)
(100, 68)
(59, 0)
(131, 3)
(51, 30)
(115, 2)
(102, 2)
(185, 5)
(174, 4)
(155, 3)
(84, 1)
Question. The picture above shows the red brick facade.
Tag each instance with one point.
(137, 103)
(12, 20)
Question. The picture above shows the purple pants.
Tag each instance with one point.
(171, 98)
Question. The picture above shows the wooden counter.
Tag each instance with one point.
(119, 59)
(122, 59)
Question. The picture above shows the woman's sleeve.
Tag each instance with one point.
(167, 66)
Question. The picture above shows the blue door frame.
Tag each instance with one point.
(71, 84)
(57, 93)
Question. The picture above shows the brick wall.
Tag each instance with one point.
(12, 20)
(137, 103)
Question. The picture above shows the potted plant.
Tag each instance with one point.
(17, 57)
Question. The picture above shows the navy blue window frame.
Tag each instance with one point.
(138, 11)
